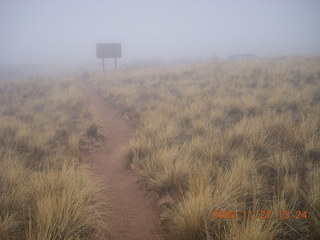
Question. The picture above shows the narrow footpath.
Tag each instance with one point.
(133, 214)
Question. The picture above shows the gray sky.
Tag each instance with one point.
(65, 32)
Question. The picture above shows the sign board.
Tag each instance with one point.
(108, 50)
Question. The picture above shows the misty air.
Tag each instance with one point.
(160, 120)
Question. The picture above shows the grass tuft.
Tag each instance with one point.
(45, 190)
(226, 136)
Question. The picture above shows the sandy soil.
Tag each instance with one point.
(134, 215)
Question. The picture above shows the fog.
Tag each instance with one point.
(66, 32)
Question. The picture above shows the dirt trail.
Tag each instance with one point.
(134, 215)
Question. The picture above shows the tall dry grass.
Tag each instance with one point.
(46, 191)
(226, 136)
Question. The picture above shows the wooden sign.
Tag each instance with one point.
(109, 50)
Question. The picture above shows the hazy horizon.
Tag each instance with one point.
(66, 32)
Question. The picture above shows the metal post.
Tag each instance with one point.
(102, 64)
(115, 63)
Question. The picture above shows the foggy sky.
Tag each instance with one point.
(65, 32)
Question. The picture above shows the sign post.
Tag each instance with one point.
(109, 50)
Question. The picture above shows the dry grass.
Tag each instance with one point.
(46, 192)
(234, 136)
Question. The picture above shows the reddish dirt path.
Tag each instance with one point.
(134, 216)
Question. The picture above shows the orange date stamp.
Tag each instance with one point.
(259, 215)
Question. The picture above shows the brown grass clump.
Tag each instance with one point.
(226, 136)
(46, 192)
